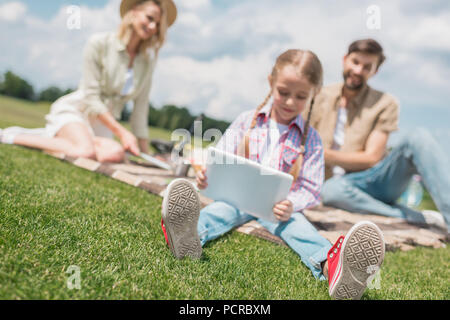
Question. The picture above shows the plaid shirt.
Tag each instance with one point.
(305, 191)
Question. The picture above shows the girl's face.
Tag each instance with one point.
(146, 20)
(291, 94)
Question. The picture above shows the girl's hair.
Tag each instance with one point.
(308, 65)
(156, 41)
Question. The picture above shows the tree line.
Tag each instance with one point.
(169, 117)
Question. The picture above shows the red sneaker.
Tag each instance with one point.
(353, 259)
(180, 213)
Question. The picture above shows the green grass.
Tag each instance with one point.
(54, 215)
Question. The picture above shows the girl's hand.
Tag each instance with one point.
(129, 142)
(283, 210)
(201, 178)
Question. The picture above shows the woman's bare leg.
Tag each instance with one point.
(108, 150)
(74, 139)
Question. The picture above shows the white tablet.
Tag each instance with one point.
(245, 184)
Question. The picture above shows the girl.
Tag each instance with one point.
(117, 68)
(276, 135)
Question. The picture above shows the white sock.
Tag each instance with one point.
(7, 138)
(8, 135)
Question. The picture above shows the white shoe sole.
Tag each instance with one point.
(361, 255)
(180, 213)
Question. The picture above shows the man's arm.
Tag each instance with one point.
(357, 161)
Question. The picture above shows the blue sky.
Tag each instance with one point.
(48, 8)
(220, 52)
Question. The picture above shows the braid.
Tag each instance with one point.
(243, 148)
(308, 119)
(297, 166)
(266, 100)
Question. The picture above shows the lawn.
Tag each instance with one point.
(54, 215)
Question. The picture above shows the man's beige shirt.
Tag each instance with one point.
(105, 65)
(370, 110)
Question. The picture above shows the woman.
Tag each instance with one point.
(117, 68)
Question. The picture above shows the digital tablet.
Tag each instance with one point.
(245, 184)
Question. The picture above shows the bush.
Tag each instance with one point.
(14, 86)
(53, 93)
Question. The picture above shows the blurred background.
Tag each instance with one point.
(220, 52)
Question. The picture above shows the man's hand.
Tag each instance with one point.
(283, 210)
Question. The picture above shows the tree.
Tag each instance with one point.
(14, 86)
(153, 116)
(50, 94)
(53, 93)
(171, 117)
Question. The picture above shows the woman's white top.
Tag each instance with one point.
(128, 86)
(107, 83)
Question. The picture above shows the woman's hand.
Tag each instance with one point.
(129, 142)
(283, 210)
(201, 178)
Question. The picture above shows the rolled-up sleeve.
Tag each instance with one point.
(305, 191)
(91, 77)
(388, 119)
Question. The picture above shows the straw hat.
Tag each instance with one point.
(126, 5)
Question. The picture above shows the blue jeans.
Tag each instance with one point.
(220, 217)
(376, 190)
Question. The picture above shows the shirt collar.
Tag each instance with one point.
(359, 98)
(120, 45)
(264, 114)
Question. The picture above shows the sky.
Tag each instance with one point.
(220, 52)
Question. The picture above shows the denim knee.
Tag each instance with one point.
(333, 190)
(414, 139)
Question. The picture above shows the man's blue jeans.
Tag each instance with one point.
(375, 191)
(220, 217)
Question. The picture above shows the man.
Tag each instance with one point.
(354, 122)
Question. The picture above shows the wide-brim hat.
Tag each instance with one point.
(126, 5)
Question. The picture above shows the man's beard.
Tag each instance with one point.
(353, 87)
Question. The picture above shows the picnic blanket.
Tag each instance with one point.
(330, 222)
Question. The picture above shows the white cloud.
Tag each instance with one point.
(192, 4)
(221, 88)
(12, 11)
(217, 58)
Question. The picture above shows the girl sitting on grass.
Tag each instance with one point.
(277, 136)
